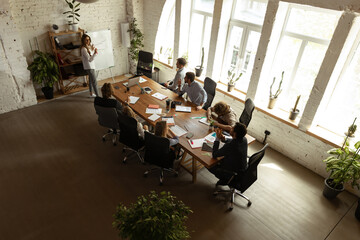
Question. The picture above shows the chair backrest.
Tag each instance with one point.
(107, 117)
(210, 88)
(245, 179)
(129, 135)
(157, 151)
(246, 115)
(145, 63)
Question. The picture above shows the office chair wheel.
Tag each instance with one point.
(231, 208)
(215, 193)
(249, 204)
(123, 150)
(124, 160)
(145, 174)
(103, 139)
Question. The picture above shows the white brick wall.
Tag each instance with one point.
(16, 89)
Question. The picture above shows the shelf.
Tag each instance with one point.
(70, 64)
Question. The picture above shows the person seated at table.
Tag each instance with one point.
(107, 99)
(195, 92)
(127, 111)
(225, 116)
(234, 152)
(161, 130)
(179, 77)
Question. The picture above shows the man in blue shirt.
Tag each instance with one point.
(194, 90)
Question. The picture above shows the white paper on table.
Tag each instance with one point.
(169, 120)
(133, 99)
(196, 143)
(178, 131)
(205, 121)
(141, 80)
(153, 110)
(154, 117)
(211, 137)
(179, 108)
(159, 96)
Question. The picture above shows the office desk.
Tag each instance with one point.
(199, 158)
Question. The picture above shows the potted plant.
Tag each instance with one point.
(152, 217)
(273, 97)
(232, 79)
(170, 52)
(137, 39)
(199, 69)
(344, 167)
(45, 71)
(73, 14)
(294, 112)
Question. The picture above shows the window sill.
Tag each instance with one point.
(162, 63)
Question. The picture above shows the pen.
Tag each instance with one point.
(186, 128)
(197, 117)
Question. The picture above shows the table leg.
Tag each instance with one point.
(194, 170)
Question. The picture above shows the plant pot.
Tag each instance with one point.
(74, 27)
(230, 87)
(48, 92)
(293, 115)
(198, 71)
(272, 102)
(329, 192)
(357, 211)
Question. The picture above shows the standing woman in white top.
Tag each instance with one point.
(88, 53)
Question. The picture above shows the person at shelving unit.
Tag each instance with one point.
(88, 54)
(107, 99)
(224, 117)
(195, 92)
(179, 77)
(234, 152)
(127, 111)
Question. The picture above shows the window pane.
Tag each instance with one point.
(204, 5)
(206, 42)
(344, 104)
(305, 75)
(195, 37)
(232, 54)
(312, 23)
(250, 11)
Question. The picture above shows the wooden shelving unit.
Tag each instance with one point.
(68, 60)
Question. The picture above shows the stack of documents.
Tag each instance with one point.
(133, 99)
(159, 96)
(178, 131)
(179, 108)
(141, 80)
(169, 120)
(153, 110)
(211, 137)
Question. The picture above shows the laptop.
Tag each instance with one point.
(131, 82)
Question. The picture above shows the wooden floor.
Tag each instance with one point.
(58, 180)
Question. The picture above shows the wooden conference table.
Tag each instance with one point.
(199, 158)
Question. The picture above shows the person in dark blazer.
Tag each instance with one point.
(107, 100)
(234, 152)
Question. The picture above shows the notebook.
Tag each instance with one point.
(205, 121)
(133, 99)
(178, 131)
(159, 96)
(179, 108)
(196, 143)
(169, 120)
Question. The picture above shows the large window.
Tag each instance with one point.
(200, 31)
(343, 105)
(300, 52)
(243, 39)
(164, 43)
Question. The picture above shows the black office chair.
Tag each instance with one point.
(129, 136)
(210, 88)
(108, 117)
(246, 115)
(240, 182)
(157, 152)
(145, 64)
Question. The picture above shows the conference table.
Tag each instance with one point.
(187, 121)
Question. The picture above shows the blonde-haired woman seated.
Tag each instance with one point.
(127, 111)
(161, 130)
(107, 100)
(225, 116)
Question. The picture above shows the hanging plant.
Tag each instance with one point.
(137, 40)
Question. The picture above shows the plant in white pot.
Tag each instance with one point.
(344, 167)
(199, 69)
(73, 14)
(152, 217)
(274, 96)
(44, 71)
(232, 79)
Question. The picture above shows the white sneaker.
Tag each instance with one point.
(92, 95)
